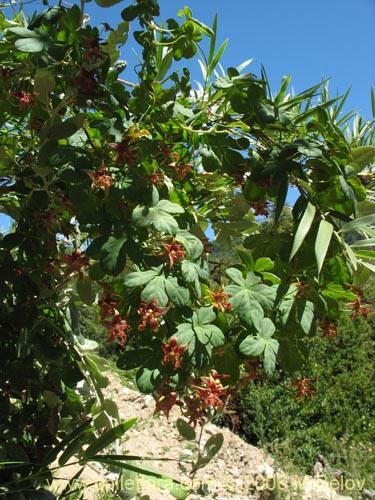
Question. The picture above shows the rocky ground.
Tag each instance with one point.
(238, 472)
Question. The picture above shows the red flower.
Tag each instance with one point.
(173, 353)
(100, 179)
(108, 304)
(118, 328)
(150, 314)
(125, 152)
(172, 160)
(77, 262)
(329, 329)
(219, 300)
(357, 304)
(213, 391)
(165, 398)
(27, 100)
(86, 81)
(252, 367)
(302, 289)
(260, 207)
(304, 388)
(195, 411)
(157, 178)
(175, 252)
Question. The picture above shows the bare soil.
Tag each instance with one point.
(238, 472)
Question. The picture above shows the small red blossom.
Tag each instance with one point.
(194, 409)
(252, 368)
(167, 154)
(329, 329)
(126, 153)
(118, 328)
(86, 81)
(175, 252)
(357, 304)
(111, 317)
(173, 353)
(76, 262)
(213, 393)
(180, 170)
(260, 207)
(219, 300)
(157, 178)
(108, 304)
(173, 161)
(93, 53)
(305, 389)
(26, 99)
(302, 289)
(100, 179)
(165, 398)
(150, 313)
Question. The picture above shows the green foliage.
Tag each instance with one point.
(338, 423)
(111, 191)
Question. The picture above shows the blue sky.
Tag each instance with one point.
(309, 40)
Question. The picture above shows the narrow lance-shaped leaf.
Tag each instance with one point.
(109, 437)
(303, 228)
(322, 242)
(358, 223)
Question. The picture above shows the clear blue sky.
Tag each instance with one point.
(309, 40)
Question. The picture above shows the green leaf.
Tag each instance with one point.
(223, 82)
(204, 316)
(213, 445)
(362, 157)
(115, 38)
(130, 13)
(66, 442)
(252, 346)
(201, 336)
(158, 287)
(185, 430)
(249, 297)
(155, 289)
(210, 161)
(108, 438)
(158, 216)
(140, 278)
(44, 83)
(148, 377)
(85, 291)
(129, 360)
(176, 292)
(322, 242)
(303, 228)
(263, 343)
(370, 242)
(113, 255)
(357, 224)
(191, 243)
(263, 264)
(31, 41)
(107, 3)
(73, 401)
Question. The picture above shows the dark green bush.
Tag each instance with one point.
(338, 423)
